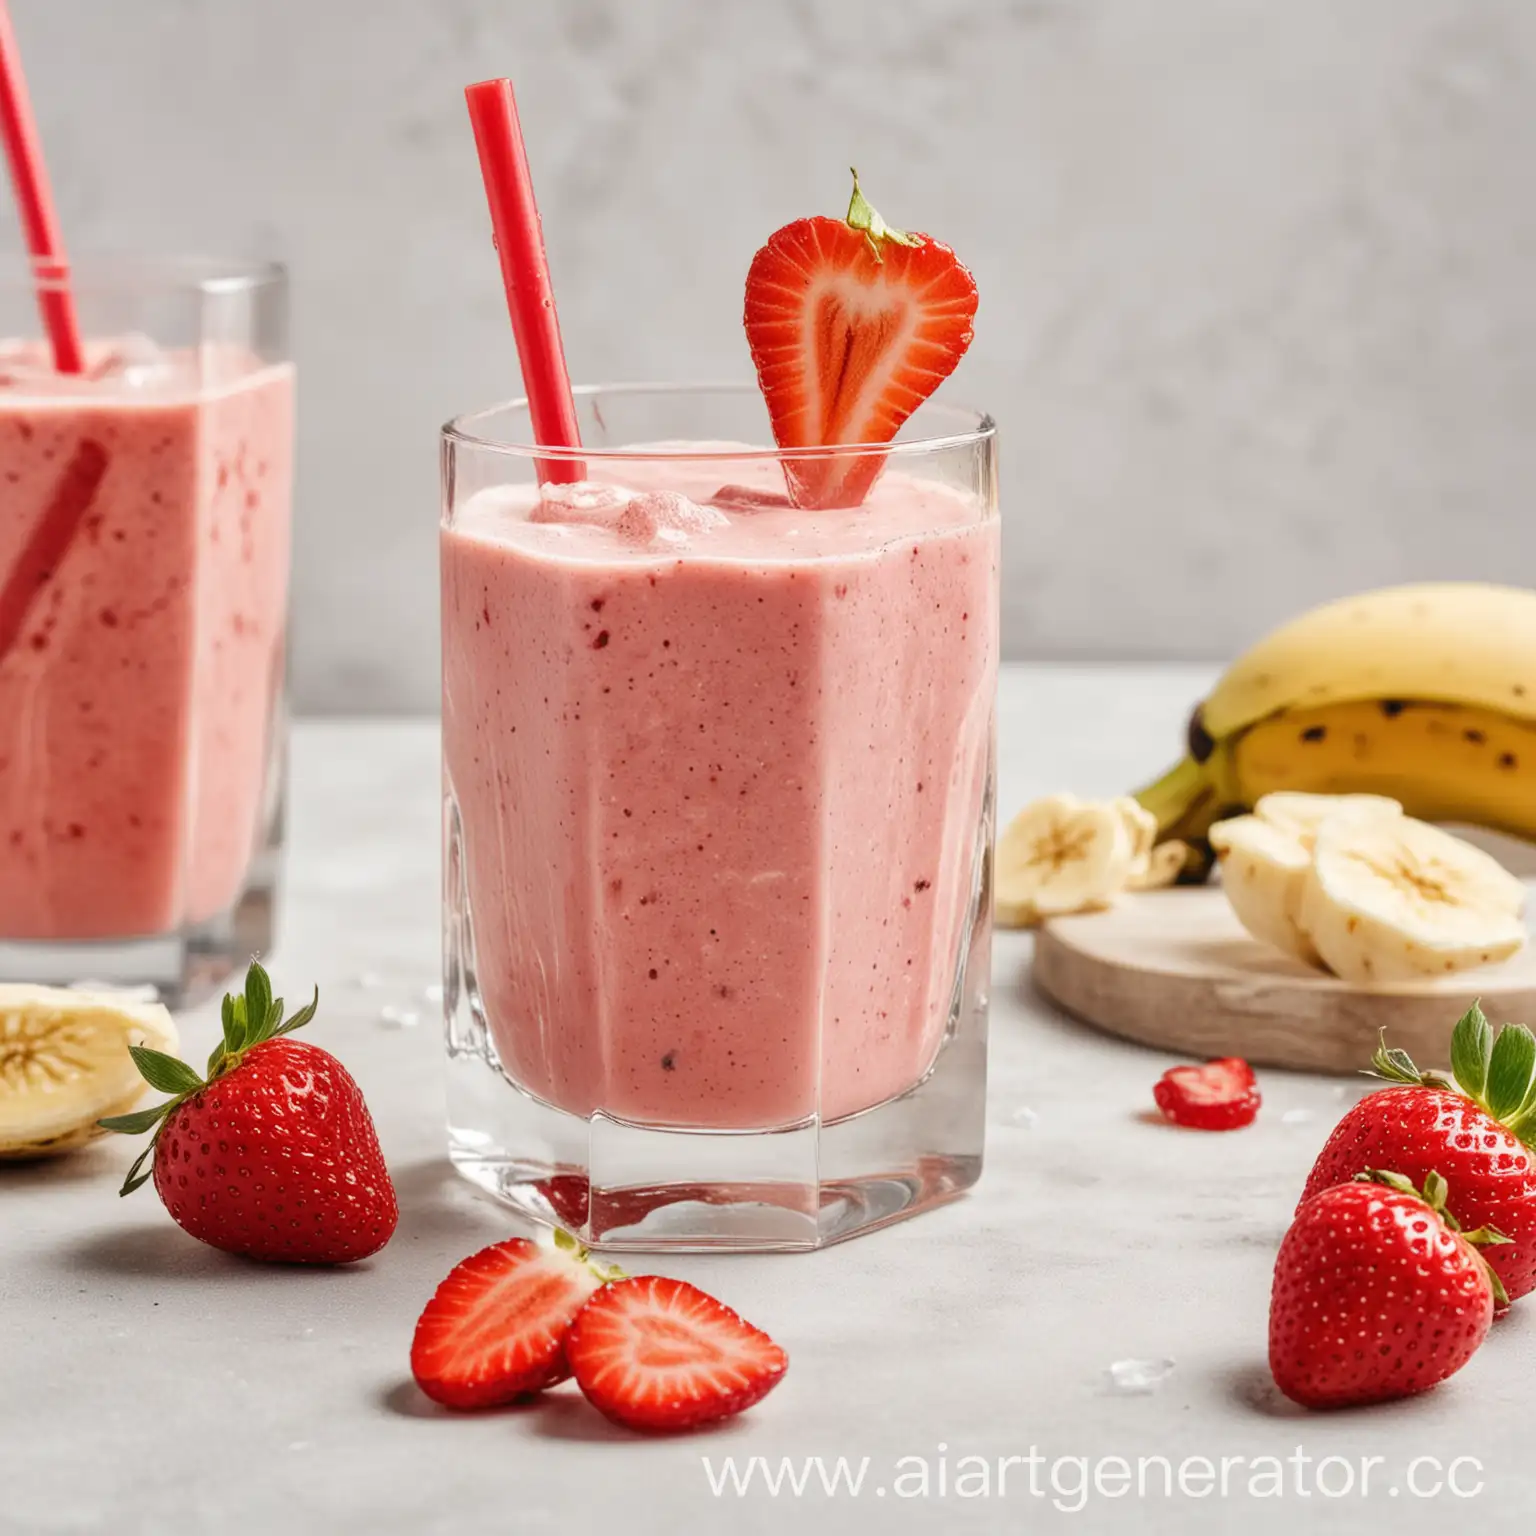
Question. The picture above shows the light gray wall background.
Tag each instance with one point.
(1258, 277)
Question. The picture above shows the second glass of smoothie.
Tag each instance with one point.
(144, 554)
(718, 783)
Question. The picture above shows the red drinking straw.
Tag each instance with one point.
(40, 224)
(525, 272)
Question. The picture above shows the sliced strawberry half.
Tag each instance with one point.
(1219, 1096)
(496, 1327)
(660, 1354)
(852, 325)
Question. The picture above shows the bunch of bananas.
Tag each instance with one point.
(1425, 694)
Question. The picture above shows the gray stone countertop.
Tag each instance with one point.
(150, 1386)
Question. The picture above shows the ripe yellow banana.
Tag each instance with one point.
(1425, 693)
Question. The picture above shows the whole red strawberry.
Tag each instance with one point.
(852, 325)
(1471, 1134)
(1376, 1294)
(274, 1154)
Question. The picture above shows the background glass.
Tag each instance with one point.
(144, 558)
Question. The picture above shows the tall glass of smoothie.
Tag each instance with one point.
(144, 549)
(718, 797)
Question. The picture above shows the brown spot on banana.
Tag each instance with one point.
(1445, 762)
(1201, 742)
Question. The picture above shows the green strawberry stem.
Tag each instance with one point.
(249, 1019)
(1434, 1194)
(1395, 1066)
(1495, 1069)
(862, 214)
(568, 1242)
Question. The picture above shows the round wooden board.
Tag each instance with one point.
(1174, 969)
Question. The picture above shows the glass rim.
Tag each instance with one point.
(459, 430)
(200, 272)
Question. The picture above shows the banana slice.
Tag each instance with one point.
(1395, 899)
(1264, 867)
(1159, 867)
(1303, 814)
(64, 1064)
(1140, 826)
(1062, 855)
(1153, 865)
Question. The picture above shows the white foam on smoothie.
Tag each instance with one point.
(718, 508)
(130, 366)
(581, 504)
(669, 517)
(649, 518)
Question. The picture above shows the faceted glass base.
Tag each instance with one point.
(618, 1185)
(185, 967)
(622, 1186)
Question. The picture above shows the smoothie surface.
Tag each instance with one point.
(725, 509)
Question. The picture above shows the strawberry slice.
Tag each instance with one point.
(659, 1354)
(1220, 1096)
(496, 1327)
(852, 325)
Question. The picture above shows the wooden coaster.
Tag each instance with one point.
(1175, 969)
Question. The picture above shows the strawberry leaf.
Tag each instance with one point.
(164, 1072)
(1510, 1067)
(258, 1003)
(1486, 1235)
(301, 1018)
(1434, 1191)
(1496, 1285)
(234, 1027)
(1471, 1045)
(136, 1174)
(1397, 1066)
(1522, 1123)
(1384, 1176)
(138, 1122)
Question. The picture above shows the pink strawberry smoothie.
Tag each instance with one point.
(720, 775)
(143, 576)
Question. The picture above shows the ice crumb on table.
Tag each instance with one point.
(1138, 1378)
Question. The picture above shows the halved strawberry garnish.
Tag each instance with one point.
(1220, 1096)
(659, 1354)
(496, 1327)
(852, 325)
